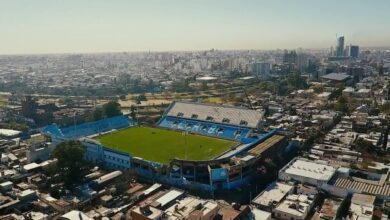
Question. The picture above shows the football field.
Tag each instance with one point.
(162, 145)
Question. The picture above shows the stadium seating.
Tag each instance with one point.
(89, 128)
(228, 115)
(204, 128)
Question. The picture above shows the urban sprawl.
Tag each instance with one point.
(198, 135)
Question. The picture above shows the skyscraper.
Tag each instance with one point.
(340, 47)
(290, 57)
(354, 51)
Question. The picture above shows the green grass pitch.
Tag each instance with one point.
(162, 145)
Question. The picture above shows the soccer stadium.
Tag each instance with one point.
(197, 146)
(162, 145)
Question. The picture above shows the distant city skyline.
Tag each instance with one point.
(53, 26)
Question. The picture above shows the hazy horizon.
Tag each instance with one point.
(52, 26)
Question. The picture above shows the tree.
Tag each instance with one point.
(182, 85)
(385, 108)
(142, 97)
(374, 111)
(55, 193)
(341, 105)
(68, 101)
(318, 89)
(133, 112)
(337, 92)
(204, 86)
(97, 114)
(296, 81)
(364, 145)
(122, 97)
(70, 160)
(112, 108)
(266, 111)
(292, 111)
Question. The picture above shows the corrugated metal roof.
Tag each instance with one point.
(336, 76)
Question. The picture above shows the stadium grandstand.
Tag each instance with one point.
(89, 128)
(212, 120)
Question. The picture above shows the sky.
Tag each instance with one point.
(74, 26)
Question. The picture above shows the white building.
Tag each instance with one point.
(348, 91)
(39, 151)
(303, 170)
(6, 186)
(260, 214)
(272, 196)
(167, 198)
(260, 68)
(363, 93)
(295, 207)
(193, 209)
(75, 215)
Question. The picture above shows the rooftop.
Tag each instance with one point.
(217, 113)
(362, 206)
(330, 207)
(75, 214)
(309, 169)
(206, 78)
(336, 76)
(265, 145)
(30, 166)
(297, 205)
(169, 197)
(361, 186)
(150, 212)
(26, 192)
(9, 132)
(189, 204)
(363, 199)
(274, 193)
(260, 214)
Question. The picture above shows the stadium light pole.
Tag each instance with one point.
(74, 121)
(185, 143)
(136, 116)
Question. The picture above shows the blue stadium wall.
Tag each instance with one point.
(87, 129)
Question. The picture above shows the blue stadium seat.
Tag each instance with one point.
(204, 128)
(89, 128)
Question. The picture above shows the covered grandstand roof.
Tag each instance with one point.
(265, 145)
(216, 113)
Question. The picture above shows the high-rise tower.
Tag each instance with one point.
(340, 47)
